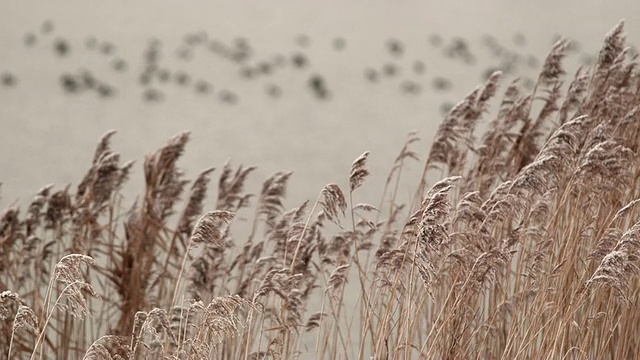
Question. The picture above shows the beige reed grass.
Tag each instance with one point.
(522, 242)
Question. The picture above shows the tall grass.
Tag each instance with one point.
(528, 246)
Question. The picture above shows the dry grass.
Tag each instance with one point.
(529, 246)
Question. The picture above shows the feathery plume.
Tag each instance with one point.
(195, 202)
(274, 190)
(68, 272)
(338, 276)
(104, 145)
(620, 264)
(575, 93)
(211, 228)
(612, 47)
(26, 319)
(333, 202)
(552, 68)
(365, 207)
(314, 321)
(5, 297)
(108, 347)
(359, 171)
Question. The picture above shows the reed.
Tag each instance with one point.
(527, 244)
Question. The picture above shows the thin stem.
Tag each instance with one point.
(46, 323)
(179, 278)
(302, 233)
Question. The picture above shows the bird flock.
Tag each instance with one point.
(152, 73)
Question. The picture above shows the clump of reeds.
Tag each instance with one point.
(526, 246)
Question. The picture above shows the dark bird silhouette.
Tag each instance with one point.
(574, 46)
(87, 79)
(119, 65)
(390, 69)
(442, 84)
(30, 39)
(216, 46)
(47, 27)
(273, 90)
(339, 44)
(202, 36)
(246, 72)
(528, 83)
(435, 40)
(299, 60)
(410, 87)
(61, 47)
(184, 53)
(152, 53)
(242, 50)
(228, 97)
(519, 39)
(152, 95)
(105, 91)
(70, 83)
(193, 39)
(445, 107)
(203, 87)
(303, 40)
(279, 60)
(107, 48)
(318, 85)
(265, 68)
(182, 78)
(145, 78)
(8, 79)
(371, 75)
(163, 75)
(241, 43)
(239, 56)
(460, 49)
(587, 59)
(395, 47)
(532, 61)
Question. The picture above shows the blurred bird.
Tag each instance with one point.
(91, 43)
(107, 48)
(302, 40)
(105, 90)
(228, 97)
(441, 83)
(395, 47)
(299, 60)
(318, 85)
(182, 78)
(47, 27)
(61, 47)
(371, 75)
(273, 90)
(390, 69)
(30, 39)
(69, 83)
(203, 87)
(8, 79)
(152, 95)
(339, 44)
(119, 65)
(410, 87)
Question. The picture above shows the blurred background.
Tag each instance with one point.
(303, 86)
